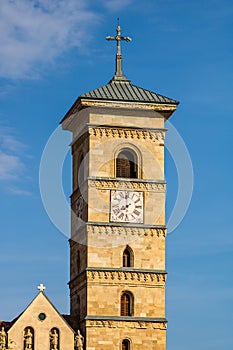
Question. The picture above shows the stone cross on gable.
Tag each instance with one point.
(41, 287)
(119, 38)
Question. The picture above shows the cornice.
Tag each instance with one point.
(126, 184)
(125, 275)
(122, 132)
(131, 269)
(127, 230)
(125, 322)
(129, 105)
(128, 133)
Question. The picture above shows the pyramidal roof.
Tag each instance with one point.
(120, 92)
(123, 90)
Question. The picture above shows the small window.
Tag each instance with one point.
(126, 164)
(125, 345)
(78, 261)
(127, 257)
(28, 335)
(42, 316)
(78, 307)
(81, 170)
(54, 339)
(126, 304)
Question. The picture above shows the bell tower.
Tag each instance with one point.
(118, 229)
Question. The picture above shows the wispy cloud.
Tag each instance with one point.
(36, 32)
(9, 142)
(19, 192)
(116, 5)
(10, 166)
(12, 161)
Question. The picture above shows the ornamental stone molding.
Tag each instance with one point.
(126, 324)
(127, 185)
(128, 133)
(165, 108)
(127, 231)
(126, 276)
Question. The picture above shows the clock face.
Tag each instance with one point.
(127, 206)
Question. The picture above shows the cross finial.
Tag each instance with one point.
(41, 287)
(119, 38)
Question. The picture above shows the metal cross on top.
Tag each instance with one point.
(41, 287)
(119, 38)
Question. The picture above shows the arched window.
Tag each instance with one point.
(28, 335)
(78, 261)
(126, 304)
(78, 307)
(54, 339)
(127, 164)
(127, 257)
(81, 170)
(125, 344)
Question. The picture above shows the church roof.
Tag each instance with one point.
(6, 324)
(123, 90)
(120, 91)
(44, 302)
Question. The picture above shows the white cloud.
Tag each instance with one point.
(35, 32)
(10, 166)
(116, 5)
(13, 168)
(19, 192)
(8, 140)
(11, 155)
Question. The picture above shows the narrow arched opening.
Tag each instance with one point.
(127, 257)
(127, 164)
(78, 307)
(78, 261)
(127, 304)
(125, 344)
(81, 170)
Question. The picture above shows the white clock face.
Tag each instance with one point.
(127, 206)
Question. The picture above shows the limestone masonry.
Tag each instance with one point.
(118, 230)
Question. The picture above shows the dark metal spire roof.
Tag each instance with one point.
(120, 90)
(123, 90)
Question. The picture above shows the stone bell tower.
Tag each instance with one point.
(118, 229)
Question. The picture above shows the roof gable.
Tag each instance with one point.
(40, 304)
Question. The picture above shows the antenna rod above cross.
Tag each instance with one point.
(118, 74)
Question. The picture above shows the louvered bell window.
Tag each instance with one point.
(126, 164)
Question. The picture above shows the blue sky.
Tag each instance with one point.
(52, 51)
